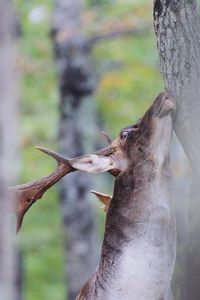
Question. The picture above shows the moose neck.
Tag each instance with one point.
(139, 217)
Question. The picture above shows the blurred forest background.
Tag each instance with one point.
(127, 76)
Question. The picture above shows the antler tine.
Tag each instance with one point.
(103, 198)
(107, 137)
(59, 158)
(27, 194)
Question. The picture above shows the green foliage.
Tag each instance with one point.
(128, 82)
(96, 2)
(125, 93)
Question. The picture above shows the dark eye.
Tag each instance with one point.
(124, 135)
(136, 128)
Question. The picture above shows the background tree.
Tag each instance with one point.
(76, 85)
(177, 30)
(8, 115)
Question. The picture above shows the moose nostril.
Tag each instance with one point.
(167, 106)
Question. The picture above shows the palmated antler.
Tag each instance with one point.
(27, 194)
(106, 159)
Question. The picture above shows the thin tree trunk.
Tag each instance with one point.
(76, 85)
(8, 108)
(19, 276)
(177, 31)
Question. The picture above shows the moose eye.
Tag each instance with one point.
(136, 128)
(124, 135)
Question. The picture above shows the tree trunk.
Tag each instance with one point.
(76, 85)
(177, 30)
(8, 108)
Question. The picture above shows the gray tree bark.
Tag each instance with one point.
(177, 30)
(8, 108)
(76, 85)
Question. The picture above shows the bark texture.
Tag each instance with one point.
(177, 30)
(76, 85)
(8, 108)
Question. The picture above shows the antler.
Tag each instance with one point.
(103, 198)
(107, 137)
(27, 194)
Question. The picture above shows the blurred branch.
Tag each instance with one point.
(118, 33)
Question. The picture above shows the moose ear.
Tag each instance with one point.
(93, 163)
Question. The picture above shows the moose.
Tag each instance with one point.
(139, 245)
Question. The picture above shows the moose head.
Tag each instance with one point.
(150, 136)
